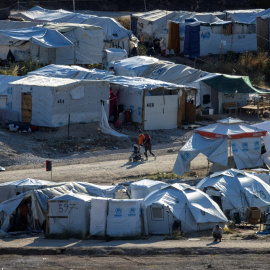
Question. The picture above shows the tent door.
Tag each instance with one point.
(192, 41)
(174, 37)
(263, 33)
(160, 112)
(26, 107)
(214, 100)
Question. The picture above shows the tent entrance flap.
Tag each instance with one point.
(26, 107)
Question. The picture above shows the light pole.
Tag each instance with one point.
(74, 6)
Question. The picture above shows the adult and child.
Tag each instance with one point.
(144, 141)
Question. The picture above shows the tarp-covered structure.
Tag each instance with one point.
(236, 191)
(55, 102)
(8, 25)
(184, 206)
(35, 43)
(115, 35)
(87, 43)
(140, 189)
(217, 89)
(212, 141)
(69, 214)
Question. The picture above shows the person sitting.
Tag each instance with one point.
(217, 233)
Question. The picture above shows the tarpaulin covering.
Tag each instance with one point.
(36, 35)
(184, 203)
(215, 149)
(4, 81)
(229, 84)
(247, 152)
(239, 190)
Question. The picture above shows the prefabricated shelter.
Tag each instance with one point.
(36, 44)
(202, 39)
(13, 188)
(87, 43)
(55, 102)
(182, 206)
(236, 190)
(155, 104)
(10, 211)
(115, 35)
(212, 141)
(69, 214)
(140, 189)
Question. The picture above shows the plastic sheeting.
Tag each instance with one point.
(140, 189)
(192, 207)
(105, 127)
(124, 218)
(246, 16)
(114, 54)
(239, 190)
(52, 102)
(247, 152)
(4, 81)
(69, 214)
(36, 35)
(215, 149)
(133, 66)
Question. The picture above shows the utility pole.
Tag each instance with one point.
(74, 6)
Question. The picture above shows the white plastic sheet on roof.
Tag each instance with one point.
(246, 16)
(36, 35)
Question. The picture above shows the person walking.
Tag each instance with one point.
(148, 146)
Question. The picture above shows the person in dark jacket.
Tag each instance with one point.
(148, 146)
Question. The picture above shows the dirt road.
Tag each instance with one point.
(105, 167)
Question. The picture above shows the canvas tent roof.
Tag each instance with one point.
(140, 189)
(239, 189)
(229, 84)
(7, 25)
(36, 35)
(230, 128)
(111, 28)
(192, 207)
(66, 27)
(152, 15)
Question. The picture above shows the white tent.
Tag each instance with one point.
(140, 189)
(87, 43)
(115, 35)
(181, 203)
(55, 102)
(10, 218)
(246, 16)
(69, 214)
(212, 141)
(125, 218)
(34, 43)
(237, 190)
(8, 25)
(13, 188)
(114, 54)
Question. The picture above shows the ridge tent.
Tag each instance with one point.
(34, 43)
(115, 35)
(87, 43)
(55, 102)
(181, 203)
(69, 214)
(10, 211)
(236, 190)
(140, 189)
(212, 141)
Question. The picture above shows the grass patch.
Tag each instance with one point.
(163, 176)
(142, 49)
(125, 21)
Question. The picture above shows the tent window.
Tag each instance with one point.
(206, 99)
(157, 213)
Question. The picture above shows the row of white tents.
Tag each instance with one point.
(154, 207)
